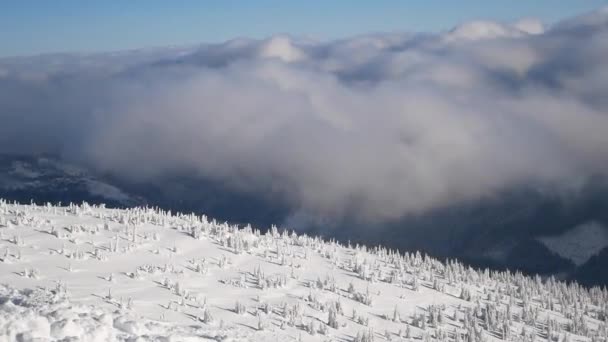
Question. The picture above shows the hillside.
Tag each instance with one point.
(521, 230)
(87, 273)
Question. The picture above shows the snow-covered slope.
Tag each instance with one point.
(580, 243)
(87, 273)
(45, 178)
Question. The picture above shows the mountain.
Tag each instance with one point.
(45, 179)
(508, 231)
(523, 229)
(594, 270)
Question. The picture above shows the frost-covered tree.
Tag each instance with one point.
(332, 320)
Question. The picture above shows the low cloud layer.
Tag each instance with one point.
(374, 127)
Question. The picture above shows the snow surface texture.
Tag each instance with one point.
(87, 273)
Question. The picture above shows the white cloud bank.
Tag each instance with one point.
(376, 126)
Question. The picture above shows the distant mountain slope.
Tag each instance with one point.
(594, 271)
(580, 243)
(46, 179)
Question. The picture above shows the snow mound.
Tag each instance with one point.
(42, 315)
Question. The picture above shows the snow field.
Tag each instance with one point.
(87, 273)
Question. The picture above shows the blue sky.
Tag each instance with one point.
(32, 27)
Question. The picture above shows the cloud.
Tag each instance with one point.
(481, 30)
(374, 127)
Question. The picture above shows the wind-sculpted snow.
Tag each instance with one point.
(368, 128)
(87, 273)
(46, 315)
